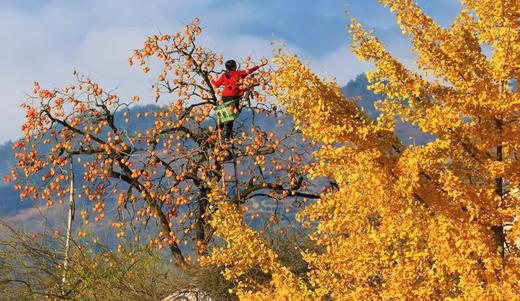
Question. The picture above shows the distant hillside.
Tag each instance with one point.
(9, 200)
(357, 88)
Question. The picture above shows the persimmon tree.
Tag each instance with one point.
(423, 222)
(162, 172)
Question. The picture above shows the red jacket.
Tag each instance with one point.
(231, 88)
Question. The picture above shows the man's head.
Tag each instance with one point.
(231, 65)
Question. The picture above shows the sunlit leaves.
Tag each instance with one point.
(418, 222)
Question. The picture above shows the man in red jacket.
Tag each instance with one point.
(232, 92)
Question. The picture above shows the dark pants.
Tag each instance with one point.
(227, 128)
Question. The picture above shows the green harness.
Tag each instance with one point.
(226, 112)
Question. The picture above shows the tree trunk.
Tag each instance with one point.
(202, 249)
(174, 248)
(498, 230)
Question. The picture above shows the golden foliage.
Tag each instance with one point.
(408, 222)
(246, 251)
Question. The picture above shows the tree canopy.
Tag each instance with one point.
(163, 172)
(417, 222)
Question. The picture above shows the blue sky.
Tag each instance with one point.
(47, 40)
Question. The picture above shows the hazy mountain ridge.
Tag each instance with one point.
(357, 88)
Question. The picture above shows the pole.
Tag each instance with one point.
(69, 226)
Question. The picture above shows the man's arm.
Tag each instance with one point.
(253, 69)
(246, 72)
(217, 83)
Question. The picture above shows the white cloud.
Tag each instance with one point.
(340, 64)
(48, 42)
(96, 38)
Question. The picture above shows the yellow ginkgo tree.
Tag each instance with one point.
(427, 222)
